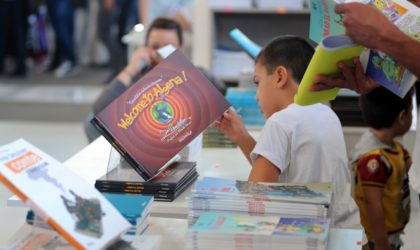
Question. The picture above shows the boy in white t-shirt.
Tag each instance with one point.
(298, 144)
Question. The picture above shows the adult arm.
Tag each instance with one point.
(362, 24)
(366, 25)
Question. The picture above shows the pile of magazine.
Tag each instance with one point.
(135, 209)
(256, 215)
(166, 186)
(213, 138)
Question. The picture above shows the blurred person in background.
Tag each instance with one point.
(64, 62)
(13, 27)
(115, 19)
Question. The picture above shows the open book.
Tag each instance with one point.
(61, 198)
(331, 50)
(153, 120)
(379, 66)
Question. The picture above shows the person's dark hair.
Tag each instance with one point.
(166, 24)
(380, 107)
(292, 52)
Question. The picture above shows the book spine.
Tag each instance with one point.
(145, 185)
(133, 191)
(130, 186)
(98, 125)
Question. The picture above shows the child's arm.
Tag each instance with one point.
(232, 126)
(263, 170)
(376, 217)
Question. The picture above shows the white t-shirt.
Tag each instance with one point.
(307, 144)
(414, 173)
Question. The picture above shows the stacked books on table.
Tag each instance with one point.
(215, 230)
(245, 104)
(135, 209)
(166, 186)
(213, 138)
(217, 194)
(258, 215)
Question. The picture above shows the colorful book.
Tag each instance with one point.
(323, 20)
(379, 66)
(160, 114)
(315, 193)
(130, 205)
(329, 52)
(61, 198)
(275, 226)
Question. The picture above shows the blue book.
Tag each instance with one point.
(130, 205)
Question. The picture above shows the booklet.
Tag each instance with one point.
(153, 120)
(331, 50)
(60, 197)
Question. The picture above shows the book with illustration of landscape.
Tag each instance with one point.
(324, 23)
(60, 197)
(314, 193)
(160, 114)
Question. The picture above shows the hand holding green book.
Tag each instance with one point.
(330, 51)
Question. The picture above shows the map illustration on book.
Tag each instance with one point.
(60, 197)
(160, 114)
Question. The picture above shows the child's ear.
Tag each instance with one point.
(402, 116)
(282, 76)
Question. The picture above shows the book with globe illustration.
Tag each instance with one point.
(64, 200)
(153, 120)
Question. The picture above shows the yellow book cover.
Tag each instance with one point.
(331, 50)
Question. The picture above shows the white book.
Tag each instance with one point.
(60, 197)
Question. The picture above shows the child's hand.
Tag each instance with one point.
(232, 126)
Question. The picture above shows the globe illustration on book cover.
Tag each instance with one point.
(162, 112)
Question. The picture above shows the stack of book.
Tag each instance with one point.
(215, 230)
(217, 194)
(166, 186)
(251, 212)
(213, 138)
(245, 104)
(135, 209)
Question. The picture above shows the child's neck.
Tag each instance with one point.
(385, 135)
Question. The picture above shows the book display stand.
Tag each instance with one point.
(38, 235)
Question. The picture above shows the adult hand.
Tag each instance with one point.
(140, 58)
(365, 24)
(350, 78)
(232, 126)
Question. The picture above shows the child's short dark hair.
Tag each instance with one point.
(292, 52)
(380, 107)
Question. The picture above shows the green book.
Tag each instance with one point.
(331, 50)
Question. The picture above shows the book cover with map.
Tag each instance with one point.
(60, 197)
(160, 114)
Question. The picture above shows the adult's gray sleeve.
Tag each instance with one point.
(110, 92)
